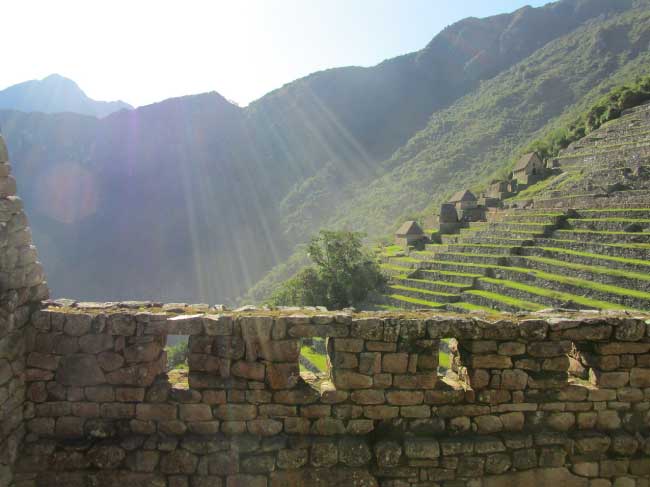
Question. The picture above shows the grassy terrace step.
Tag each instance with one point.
(643, 213)
(407, 302)
(489, 299)
(510, 242)
(435, 247)
(635, 265)
(607, 224)
(597, 274)
(543, 218)
(629, 250)
(521, 227)
(541, 295)
(483, 248)
(462, 278)
(584, 288)
(604, 237)
(409, 262)
(394, 270)
(486, 259)
(457, 267)
(424, 294)
(440, 286)
(498, 233)
(623, 150)
(615, 200)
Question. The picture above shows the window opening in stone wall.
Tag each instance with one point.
(313, 359)
(177, 368)
(447, 351)
(578, 368)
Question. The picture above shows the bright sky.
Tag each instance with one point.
(143, 51)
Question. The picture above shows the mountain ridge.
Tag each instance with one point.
(56, 94)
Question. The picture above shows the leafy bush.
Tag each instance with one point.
(177, 355)
(609, 107)
(343, 274)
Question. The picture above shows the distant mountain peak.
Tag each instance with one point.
(53, 94)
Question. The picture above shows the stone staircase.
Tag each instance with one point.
(582, 243)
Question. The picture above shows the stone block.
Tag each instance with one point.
(235, 412)
(370, 363)
(346, 380)
(195, 412)
(216, 325)
(395, 363)
(380, 412)
(368, 396)
(79, 370)
(292, 459)
(179, 462)
(640, 377)
(185, 325)
(324, 454)
(421, 448)
(77, 324)
(248, 370)
(280, 351)
(368, 329)
(352, 345)
(264, 427)
(388, 453)
(404, 398)
(282, 376)
(155, 412)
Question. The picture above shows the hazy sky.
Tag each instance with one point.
(144, 51)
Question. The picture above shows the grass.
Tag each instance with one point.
(560, 296)
(397, 268)
(617, 245)
(517, 303)
(535, 189)
(442, 283)
(612, 210)
(589, 268)
(573, 281)
(610, 220)
(411, 300)
(319, 360)
(622, 260)
(406, 259)
(535, 215)
(444, 360)
(599, 232)
(400, 287)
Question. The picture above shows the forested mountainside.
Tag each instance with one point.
(480, 135)
(55, 94)
(195, 198)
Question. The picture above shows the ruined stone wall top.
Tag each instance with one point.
(546, 390)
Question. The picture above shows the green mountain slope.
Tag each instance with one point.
(465, 144)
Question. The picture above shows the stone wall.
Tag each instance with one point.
(535, 400)
(21, 289)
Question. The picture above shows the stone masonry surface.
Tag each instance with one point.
(22, 288)
(100, 410)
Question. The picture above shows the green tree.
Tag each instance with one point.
(343, 274)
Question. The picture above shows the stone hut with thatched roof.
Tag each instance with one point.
(529, 169)
(410, 233)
